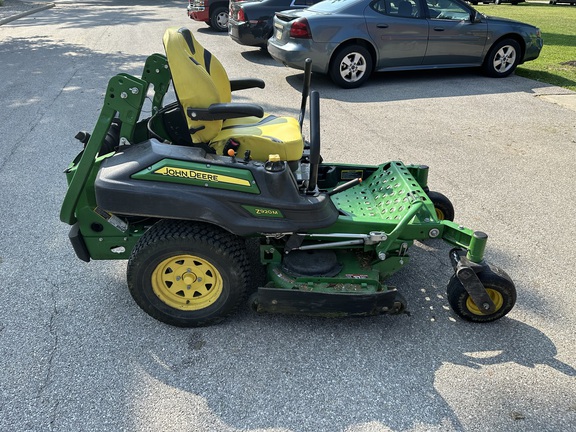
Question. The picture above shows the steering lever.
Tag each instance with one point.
(345, 186)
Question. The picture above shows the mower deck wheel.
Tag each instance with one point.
(399, 305)
(442, 205)
(500, 288)
(188, 274)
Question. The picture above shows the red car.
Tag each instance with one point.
(212, 12)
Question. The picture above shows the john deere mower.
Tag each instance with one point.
(180, 195)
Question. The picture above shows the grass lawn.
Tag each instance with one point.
(557, 62)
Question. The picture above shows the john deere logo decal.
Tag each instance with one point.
(234, 178)
(200, 175)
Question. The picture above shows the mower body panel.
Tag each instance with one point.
(174, 182)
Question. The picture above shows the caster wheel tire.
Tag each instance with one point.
(253, 302)
(399, 305)
(442, 205)
(188, 274)
(500, 288)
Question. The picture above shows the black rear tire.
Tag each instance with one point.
(188, 274)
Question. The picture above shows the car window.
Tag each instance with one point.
(398, 8)
(447, 10)
(304, 3)
(332, 5)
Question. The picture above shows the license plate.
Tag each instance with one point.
(278, 30)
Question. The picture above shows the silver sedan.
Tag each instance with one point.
(350, 39)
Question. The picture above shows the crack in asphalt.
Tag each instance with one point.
(51, 355)
(33, 125)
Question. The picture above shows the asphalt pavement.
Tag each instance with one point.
(77, 354)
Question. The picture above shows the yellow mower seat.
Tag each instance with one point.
(200, 81)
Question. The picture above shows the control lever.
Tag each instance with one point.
(345, 186)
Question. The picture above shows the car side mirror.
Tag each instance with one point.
(475, 17)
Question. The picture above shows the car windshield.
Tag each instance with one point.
(331, 5)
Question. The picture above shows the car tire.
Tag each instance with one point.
(219, 19)
(502, 58)
(351, 66)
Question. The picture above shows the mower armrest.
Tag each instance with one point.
(246, 83)
(223, 111)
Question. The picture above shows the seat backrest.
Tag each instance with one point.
(198, 78)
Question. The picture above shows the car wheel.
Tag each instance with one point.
(219, 19)
(502, 58)
(351, 66)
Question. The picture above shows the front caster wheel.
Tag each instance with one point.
(442, 205)
(500, 288)
(188, 274)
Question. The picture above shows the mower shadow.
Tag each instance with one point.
(377, 371)
(344, 373)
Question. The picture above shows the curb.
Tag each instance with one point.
(23, 14)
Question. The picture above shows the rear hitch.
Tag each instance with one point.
(467, 273)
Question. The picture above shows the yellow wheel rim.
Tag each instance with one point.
(494, 295)
(187, 282)
(439, 213)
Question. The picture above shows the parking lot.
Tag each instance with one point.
(77, 354)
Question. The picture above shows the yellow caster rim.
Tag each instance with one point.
(439, 213)
(187, 282)
(494, 295)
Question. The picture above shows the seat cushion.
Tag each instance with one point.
(263, 137)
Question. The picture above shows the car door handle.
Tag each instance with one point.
(382, 25)
(438, 28)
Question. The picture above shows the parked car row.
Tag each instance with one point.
(350, 39)
(212, 12)
(251, 22)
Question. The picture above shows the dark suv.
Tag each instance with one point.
(251, 21)
(212, 12)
